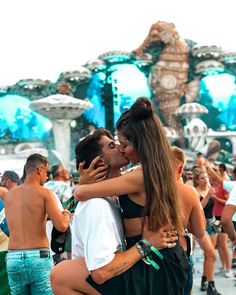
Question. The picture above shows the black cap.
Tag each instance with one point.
(12, 175)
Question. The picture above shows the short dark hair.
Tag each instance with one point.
(223, 166)
(89, 148)
(55, 170)
(12, 175)
(33, 161)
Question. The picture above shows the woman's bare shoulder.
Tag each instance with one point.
(186, 191)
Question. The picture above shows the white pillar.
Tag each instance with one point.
(61, 133)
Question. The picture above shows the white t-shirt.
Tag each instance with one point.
(228, 185)
(232, 200)
(96, 234)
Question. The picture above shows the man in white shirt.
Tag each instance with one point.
(97, 231)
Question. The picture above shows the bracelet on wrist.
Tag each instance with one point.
(146, 249)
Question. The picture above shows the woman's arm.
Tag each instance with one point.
(131, 182)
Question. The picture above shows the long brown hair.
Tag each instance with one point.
(143, 129)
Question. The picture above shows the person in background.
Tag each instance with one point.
(91, 128)
(229, 186)
(27, 208)
(223, 171)
(59, 184)
(208, 241)
(9, 179)
(192, 211)
(228, 221)
(4, 238)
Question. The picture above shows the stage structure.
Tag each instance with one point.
(168, 69)
(61, 109)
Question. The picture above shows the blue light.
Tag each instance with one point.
(219, 93)
(19, 122)
(128, 83)
(221, 88)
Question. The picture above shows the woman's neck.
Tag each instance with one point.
(203, 190)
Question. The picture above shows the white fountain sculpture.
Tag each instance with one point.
(61, 109)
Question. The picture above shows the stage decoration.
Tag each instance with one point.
(205, 51)
(190, 111)
(61, 109)
(169, 75)
(31, 88)
(64, 88)
(196, 131)
(209, 67)
(184, 79)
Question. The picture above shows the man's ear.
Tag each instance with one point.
(100, 162)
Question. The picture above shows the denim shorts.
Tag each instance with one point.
(29, 271)
(211, 229)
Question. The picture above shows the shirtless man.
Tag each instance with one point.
(27, 208)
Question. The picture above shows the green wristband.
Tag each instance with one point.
(153, 249)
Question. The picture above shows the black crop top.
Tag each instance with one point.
(130, 209)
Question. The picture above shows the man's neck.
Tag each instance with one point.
(59, 178)
(114, 173)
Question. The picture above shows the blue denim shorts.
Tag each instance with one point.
(29, 271)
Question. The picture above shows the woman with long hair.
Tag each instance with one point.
(152, 192)
(208, 241)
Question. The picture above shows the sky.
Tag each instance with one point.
(42, 38)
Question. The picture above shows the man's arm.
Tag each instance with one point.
(60, 219)
(97, 237)
(124, 260)
(213, 175)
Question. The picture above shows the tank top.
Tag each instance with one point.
(208, 209)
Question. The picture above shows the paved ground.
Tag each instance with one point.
(224, 285)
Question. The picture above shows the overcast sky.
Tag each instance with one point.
(41, 38)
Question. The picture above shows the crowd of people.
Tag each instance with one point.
(112, 231)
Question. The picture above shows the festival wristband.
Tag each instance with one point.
(153, 249)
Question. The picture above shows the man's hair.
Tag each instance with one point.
(56, 169)
(33, 161)
(223, 166)
(199, 154)
(12, 175)
(178, 154)
(89, 148)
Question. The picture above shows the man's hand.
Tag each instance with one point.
(160, 239)
(92, 174)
